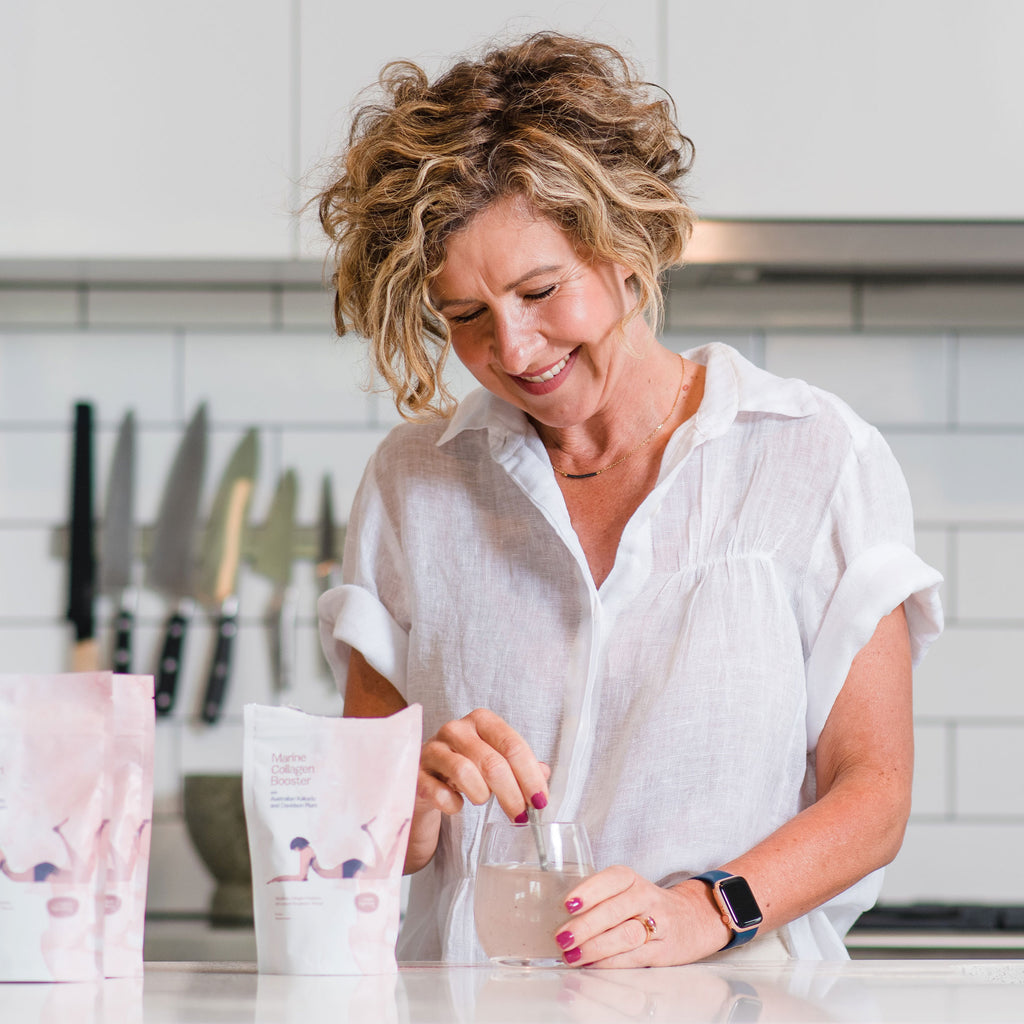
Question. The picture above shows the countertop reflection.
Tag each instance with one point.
(907, 991)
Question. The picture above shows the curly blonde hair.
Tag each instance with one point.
(563, 122)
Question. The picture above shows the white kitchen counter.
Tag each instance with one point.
(909, 991)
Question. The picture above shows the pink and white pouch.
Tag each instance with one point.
(55, 745)
(130, 828)
(76, 796)
(328, 804)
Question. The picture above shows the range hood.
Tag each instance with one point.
(735, 249)
(900, 248)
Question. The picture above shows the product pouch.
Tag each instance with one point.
(130, 828)
(55, 746)
(328, 804)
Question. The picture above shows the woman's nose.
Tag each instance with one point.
(516, 343)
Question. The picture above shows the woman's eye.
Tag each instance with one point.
(534, 296)
(466, 317)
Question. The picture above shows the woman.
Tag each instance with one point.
(668, 597)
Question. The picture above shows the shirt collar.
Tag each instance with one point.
(733, 385)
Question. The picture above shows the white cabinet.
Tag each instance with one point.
(137, 129)
(133, 128)
(901, 109)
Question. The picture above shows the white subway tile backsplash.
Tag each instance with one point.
(955, 862)
(989, 380)
(276, 377)
(268, 357)
(35, 475)
(760, 306)
(990, 574)
(990, 769)
(33, 646)
(212, 749)
(48, 307)
(931, 783)
(180, 307)
(972, 672)
(965, 478)
(342, 454)
(932, 544)
(887, 379)
(44, 373)
(307, 308)
(943, 304)
(34, 581)
(749, 345)
(167, 769)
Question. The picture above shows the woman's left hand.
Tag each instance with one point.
(606, 923)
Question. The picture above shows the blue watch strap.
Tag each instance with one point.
(738, 937)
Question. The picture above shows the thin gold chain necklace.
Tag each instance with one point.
(647, 440)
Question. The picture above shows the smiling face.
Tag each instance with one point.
(533, 319)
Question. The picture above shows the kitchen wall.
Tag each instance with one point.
(936, 365)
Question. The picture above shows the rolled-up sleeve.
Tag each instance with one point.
(368, 612)
(865, 566)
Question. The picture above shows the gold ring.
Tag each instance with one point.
(650, 927)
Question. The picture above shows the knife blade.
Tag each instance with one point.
(273, 558)
(82, 556)
(171, 564)
(117, 542)
(328, 565)
(219, 561)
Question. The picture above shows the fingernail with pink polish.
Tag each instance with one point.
(573, 905)
(565, 939)
(572, 956)
(539, 801)
(521, 819)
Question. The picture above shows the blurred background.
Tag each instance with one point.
(858, 178)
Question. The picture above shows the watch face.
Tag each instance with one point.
(743, 908)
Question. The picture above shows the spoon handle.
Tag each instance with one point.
(538, 837)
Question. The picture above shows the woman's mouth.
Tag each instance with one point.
(549, 379)
(547, 374)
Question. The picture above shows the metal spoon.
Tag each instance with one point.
(538, 837)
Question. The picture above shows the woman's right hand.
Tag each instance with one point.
(467, 759)
(472, 758)
(475, 757)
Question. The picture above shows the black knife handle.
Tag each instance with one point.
(170, 662)
(216, 685)
(123, 624)
(82, 558)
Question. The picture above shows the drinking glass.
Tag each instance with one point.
(519, 901)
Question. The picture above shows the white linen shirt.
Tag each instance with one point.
(679, 705)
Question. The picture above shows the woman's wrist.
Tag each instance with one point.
(706, 918)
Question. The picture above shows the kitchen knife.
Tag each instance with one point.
(81, 555)
(219, 561)
(117, 542)
(328, 565)
(171, 565)
(273, 559)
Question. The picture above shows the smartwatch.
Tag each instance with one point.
(736, 902)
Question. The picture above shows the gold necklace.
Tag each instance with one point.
(647, 440)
